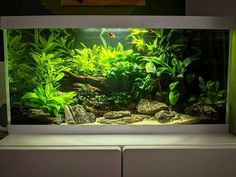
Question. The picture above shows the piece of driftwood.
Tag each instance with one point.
(72, 82)
(103, 2)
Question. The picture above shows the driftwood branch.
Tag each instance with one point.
(72, 82)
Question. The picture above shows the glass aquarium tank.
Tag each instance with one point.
(117, 76)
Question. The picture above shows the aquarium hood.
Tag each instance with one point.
(179, 22)
(190, 76)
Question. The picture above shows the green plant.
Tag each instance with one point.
(38, 64)
(163, 58)
(102, 38)
(211, 93)
(85, 61)
(175, 69)
(120, 98)
(48, 68)
(137, 38)
(20, 72)
(57, 41)
(89, 97)
(103, 61)
(142, 87)
(49, 99)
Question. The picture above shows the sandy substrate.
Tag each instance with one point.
(185, 119)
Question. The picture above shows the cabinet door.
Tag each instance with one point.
(179, 162)
(60, 162)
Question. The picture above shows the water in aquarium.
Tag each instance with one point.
(117, 76)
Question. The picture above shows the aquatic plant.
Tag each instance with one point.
(102, 61)
(211, 93)
(57, 41)
(48, 99)
(175, 70)
(90, 98)
(84, 61)
(20, 73)
(48, 68)
(143, 87)
(120, 98)
(162, 55)
(137, 38)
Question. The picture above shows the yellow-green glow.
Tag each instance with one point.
(232, 84)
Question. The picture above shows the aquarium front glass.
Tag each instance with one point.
(117, 76)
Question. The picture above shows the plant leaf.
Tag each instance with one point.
(150, 67)
(30, 95)
(173, 97)
(173, 85)
(192, 99)
(202, 84)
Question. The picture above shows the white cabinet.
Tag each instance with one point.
(183, 161)
(60, 162)
(196, 155)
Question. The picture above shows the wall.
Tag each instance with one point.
(153, 7)
(210, 7)
(39, 7)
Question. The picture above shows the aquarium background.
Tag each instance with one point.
(117, 76)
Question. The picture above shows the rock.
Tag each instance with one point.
(140, 117)
(36, 116)
(77, 114)
(203, 111)
(164, 116)
(150, 107)
(69, 118)
(124, 120)
(116, 114)
(187, 119)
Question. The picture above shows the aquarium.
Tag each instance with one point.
(116, 75)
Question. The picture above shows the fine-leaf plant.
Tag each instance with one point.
(103, 61)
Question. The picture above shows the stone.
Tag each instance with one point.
(124, 120)
(140, 117)
(69, 118)
(164, 116)
(38, 116)
(77, 114)
(187, 119)
(116, 114)
(205, 112)
(150, 107)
